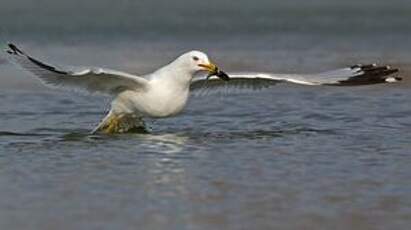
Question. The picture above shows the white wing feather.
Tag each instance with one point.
(91, 80)
(354, 75)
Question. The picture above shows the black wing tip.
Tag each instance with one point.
(46, 66)
(14, 50)
(372, 74)
(373, 67)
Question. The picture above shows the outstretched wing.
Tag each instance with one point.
(91, 80)
(354, 75)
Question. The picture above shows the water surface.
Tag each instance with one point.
(290, 157)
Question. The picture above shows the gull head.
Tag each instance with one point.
(197, 61)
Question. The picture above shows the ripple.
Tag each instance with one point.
(259, 133)
(8, 133)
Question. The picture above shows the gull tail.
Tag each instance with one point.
(125, 123)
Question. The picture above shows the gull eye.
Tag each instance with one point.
(195, 58)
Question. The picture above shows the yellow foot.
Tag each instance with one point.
(123, 124)
(112, 125)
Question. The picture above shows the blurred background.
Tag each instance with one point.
(290, 157)
(267, 35)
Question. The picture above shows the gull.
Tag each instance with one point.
(164, 92)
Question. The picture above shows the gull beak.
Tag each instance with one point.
(213, 70)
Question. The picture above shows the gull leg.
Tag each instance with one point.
(112, 126)
(107, 125)
(121, 124)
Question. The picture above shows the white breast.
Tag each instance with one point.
(162, 99)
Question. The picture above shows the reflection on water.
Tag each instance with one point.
(165, 143)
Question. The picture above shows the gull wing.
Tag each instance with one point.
(91, 80)
(350, 76)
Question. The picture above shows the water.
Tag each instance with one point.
(290, 157)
